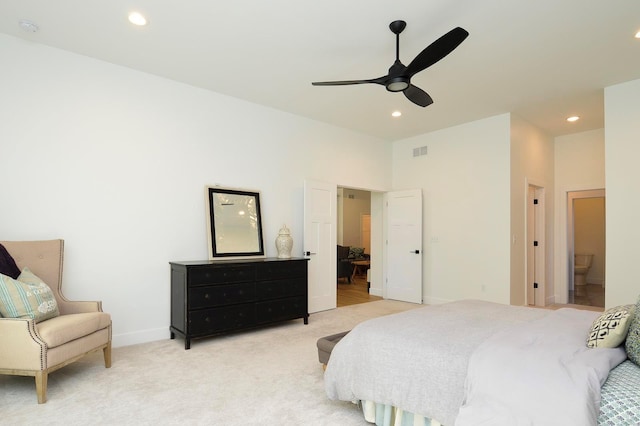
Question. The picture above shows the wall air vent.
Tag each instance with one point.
(421, 150)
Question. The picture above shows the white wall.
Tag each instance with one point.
(355, 204)
(622, 154)
(531, 164)
(465, 185)
(579, 166)
(115, 162)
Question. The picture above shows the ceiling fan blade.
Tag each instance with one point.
(437, 50)
(379, 80)
(417, 96)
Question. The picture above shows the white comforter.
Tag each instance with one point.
(417, 360)
(540, 373)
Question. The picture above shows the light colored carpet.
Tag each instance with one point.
(268, 376)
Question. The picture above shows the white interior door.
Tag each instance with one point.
(404, 245)
(531, 249)
(320, 212)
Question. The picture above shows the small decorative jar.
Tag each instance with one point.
(284, 243)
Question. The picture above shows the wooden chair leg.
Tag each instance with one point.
(107, 355)
(41, 386)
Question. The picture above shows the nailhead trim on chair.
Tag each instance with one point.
(34, 335)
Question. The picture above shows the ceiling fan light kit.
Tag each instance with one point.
(399, 77)
(397, 84)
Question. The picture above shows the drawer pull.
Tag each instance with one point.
(206, 295)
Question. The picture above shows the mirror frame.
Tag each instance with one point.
(214, 222)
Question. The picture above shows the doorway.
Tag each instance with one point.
(354, 231)
(586, 247)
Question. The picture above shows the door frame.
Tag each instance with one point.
(564, 268)
(377, 237)
(570, 251)
(535, 256)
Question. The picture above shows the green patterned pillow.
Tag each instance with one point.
(633, 337)
(620, 399)
(27, 297)
(356, 253)
(610, 329)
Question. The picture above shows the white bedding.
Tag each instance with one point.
(539, 373)
(371, 362)
(417, 360)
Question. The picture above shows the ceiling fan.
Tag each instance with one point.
(399, 77)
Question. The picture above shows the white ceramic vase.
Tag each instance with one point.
(284, 243)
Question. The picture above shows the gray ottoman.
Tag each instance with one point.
(325, 346)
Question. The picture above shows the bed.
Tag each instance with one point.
(474, 363)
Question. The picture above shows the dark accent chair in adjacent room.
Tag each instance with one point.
(344, 267)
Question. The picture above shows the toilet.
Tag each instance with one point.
(582, 263)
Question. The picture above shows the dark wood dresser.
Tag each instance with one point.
(219, 296)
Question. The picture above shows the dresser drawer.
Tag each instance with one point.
(272, 270)
(209, 321)
(281, 288)
(220, 295)
(220, 275)
(281, 309)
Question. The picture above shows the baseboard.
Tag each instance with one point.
(435, 301)
(550, 300)
(375, 291)
(144, 336)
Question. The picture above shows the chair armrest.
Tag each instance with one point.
(67, 307)
(21, 347)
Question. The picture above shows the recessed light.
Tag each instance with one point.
(573, 118)
(396, 114)
(137, 19)
(638, 34)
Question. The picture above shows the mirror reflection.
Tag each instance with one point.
(235, 224)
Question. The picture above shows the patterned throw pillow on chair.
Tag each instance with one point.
(27, 297)
(356, 253)
(632, 344)
(610, 329)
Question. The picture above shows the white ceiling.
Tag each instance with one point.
(540, 59)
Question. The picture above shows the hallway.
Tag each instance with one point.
(354, 293)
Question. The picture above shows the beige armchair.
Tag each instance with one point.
(30, 349)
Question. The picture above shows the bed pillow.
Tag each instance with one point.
(26, 297)
(633, 337)
(610, 329)
(7, 264)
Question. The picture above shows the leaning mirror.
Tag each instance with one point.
(235, 224)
